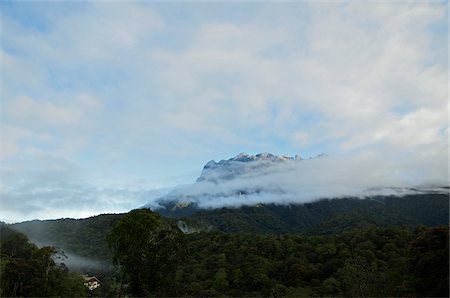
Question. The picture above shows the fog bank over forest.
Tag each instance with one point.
(302, 181)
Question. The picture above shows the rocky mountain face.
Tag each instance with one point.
(240, 164)
(218, 180)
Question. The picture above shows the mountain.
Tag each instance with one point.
(265, 178)
(240, 176)
(240, 164)
(372, 245)
(250, 185)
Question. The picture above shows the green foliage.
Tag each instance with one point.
(327, 216)
(146, 249)
(347, 247)
(134, 232)
(27, 270)
(372, 262)
(85, 237)
(430, 251)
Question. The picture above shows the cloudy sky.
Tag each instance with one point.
(106, 105)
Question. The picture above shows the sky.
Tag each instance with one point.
(107, 105)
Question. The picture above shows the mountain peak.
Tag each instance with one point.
(240, 164)
(266, 155)
(245, 157)
(242, 154)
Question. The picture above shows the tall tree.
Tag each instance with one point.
(146, 249)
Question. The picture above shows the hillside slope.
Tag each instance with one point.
(326, 216)
(87, 237)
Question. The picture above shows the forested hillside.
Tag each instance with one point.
(29, 271)
(380, 257)
(327, 216)
(370, 262)
(86, 237)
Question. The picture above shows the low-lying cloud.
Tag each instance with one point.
(61, 191)
(72, 260)
(79, 263)
(308, 180)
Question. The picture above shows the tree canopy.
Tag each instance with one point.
(146, 249)
(26, 270)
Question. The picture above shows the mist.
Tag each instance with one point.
(82, 264)
(85, 265)
(38, 235)
(303, 181)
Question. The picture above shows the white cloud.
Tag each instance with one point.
(113, 83)
(59, 124)
(360, 61)
(309, 180)
(9, 136)
(95, 31)
(351, 64)
(27, 109)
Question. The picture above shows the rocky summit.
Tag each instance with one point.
(242, 163)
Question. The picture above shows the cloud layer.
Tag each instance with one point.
(139, 95)
(302, 181)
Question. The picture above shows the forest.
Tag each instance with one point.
(29, 271)
(347, 254)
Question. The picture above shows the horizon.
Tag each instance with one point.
(107, 106)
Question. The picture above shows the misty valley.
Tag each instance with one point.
(375, 246)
